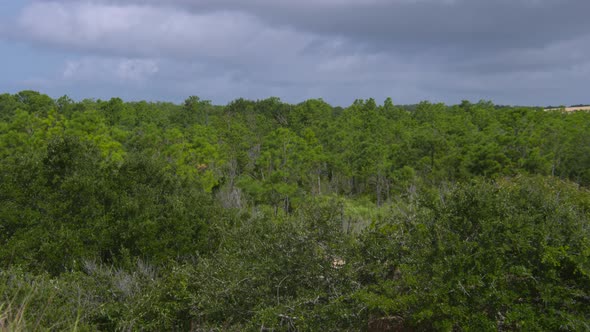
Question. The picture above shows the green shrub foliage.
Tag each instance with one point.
(266, 216)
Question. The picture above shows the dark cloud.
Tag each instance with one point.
(467, 25)
(479, 25)
(340, 49)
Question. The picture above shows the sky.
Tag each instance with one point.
(518, 52)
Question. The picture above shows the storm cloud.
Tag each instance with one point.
(518, 52)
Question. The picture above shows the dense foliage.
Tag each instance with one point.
(266, 216)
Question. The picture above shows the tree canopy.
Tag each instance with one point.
(264, 215)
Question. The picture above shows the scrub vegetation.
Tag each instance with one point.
(268, 216)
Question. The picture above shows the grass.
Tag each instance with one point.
(20, 312)
(12, 317)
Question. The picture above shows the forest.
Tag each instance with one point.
(269, 216)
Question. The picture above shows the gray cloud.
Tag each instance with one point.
(110, 70)
(416, 24)
(337, 49)
(149, 31)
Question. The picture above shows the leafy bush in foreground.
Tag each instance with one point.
(510, 255)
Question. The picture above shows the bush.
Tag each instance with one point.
(487, 256)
